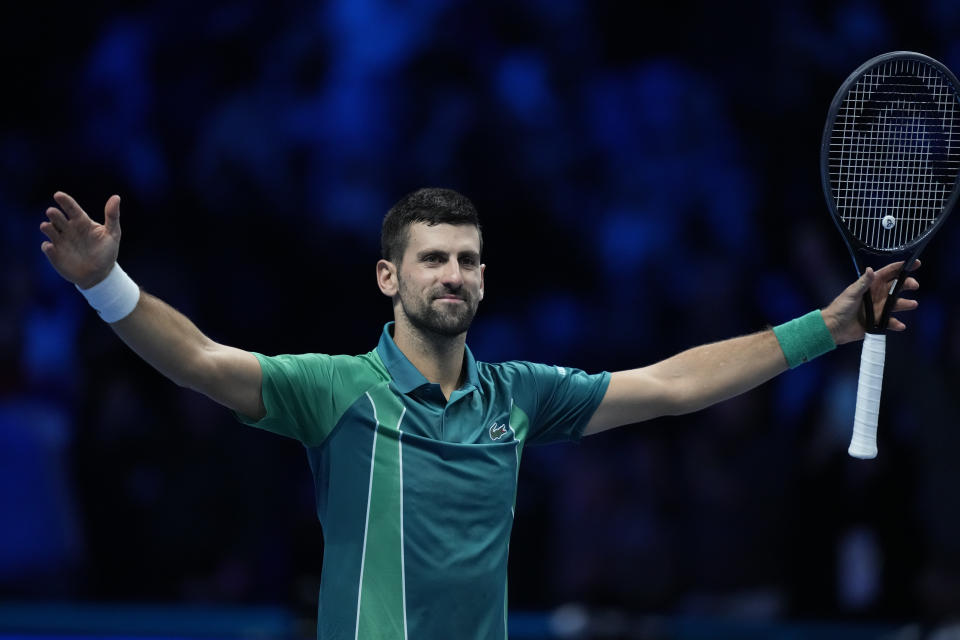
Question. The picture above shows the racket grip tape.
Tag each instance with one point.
(863, 444)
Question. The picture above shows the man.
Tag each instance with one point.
(415, 446)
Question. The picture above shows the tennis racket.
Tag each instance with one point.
(889, 161)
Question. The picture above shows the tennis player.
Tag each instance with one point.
(415, 445)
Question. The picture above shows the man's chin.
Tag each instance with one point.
(442, 317)
(452, 329)
(447, 327)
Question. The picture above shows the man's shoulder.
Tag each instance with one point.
(364, 368)
(529, 377)
(516, 367)
(364, 364)
(512, 371)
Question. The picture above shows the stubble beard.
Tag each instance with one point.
(426, 317)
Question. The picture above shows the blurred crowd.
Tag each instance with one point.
(645, 183)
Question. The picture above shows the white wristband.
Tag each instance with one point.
(114, 297)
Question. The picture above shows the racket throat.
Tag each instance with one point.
(869, 319)
(894, 292)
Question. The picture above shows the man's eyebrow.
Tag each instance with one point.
(429, 252)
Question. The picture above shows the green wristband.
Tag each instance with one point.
(804, 338)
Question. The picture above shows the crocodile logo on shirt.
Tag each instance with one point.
(497, 431)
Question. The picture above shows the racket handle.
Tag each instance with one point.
(863, 444)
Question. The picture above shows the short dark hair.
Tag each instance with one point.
(430, 205)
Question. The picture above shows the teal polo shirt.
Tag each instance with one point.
(416, 492)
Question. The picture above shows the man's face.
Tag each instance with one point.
(440, 279)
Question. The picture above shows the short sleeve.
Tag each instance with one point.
(301, 394)
(563, 401)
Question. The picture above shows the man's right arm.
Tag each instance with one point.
(175, 347)
(85, 253)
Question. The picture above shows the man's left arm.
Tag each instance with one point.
(702, 376)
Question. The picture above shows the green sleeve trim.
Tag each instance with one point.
(804, 338)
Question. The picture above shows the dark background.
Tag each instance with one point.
(647, 180)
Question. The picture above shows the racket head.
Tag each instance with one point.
(890, 155)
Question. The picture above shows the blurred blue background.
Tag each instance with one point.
(647, 179)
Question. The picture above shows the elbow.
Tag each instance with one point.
(679, 397)
(196, 373)
(185, 381)
(692, 398)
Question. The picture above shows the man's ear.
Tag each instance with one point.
(483, 268)
(387, 278)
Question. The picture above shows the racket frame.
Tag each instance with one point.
(856, 247)
(863, 441)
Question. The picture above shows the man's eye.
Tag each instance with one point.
(433, 258)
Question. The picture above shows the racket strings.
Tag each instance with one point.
(894, 156)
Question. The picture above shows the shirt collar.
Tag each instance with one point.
(406, 376)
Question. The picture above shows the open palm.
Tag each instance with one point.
(81, 250)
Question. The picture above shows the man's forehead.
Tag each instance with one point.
(450, 237)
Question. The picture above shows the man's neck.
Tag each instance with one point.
(439, 358)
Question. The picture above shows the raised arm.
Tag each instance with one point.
(85, 253)
(705, 375)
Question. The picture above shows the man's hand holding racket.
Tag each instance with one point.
(845, 316)
(889, 170)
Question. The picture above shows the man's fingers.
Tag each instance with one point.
(904, 304)
(911, 284)
(890, 271)
(865, 281)
(48, 248)
(895, 325)
(69, 205)
(49, 230)
(57, 218)
(111, 214)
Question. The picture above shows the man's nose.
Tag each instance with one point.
(452, 275)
